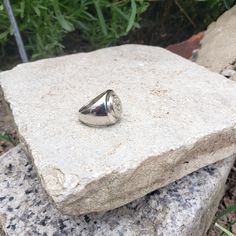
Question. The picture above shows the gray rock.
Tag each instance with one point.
(178, 117)
(182, 208)
(228, 73)
(218, 44)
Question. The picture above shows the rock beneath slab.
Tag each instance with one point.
(218, 45)
(182, 208)
(178, 117)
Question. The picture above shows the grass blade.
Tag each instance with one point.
(227, 210)
(6, 138)
(100, 16)
(66, 25)
(228, 233)
(132, 16)
(226, 4)
(228, 226)
(121, 13)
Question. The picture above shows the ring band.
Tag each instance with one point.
(104, 110)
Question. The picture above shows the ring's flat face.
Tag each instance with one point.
(104, 110)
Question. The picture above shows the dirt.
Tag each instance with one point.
(6, 128)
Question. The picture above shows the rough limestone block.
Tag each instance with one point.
(182, 208)
(178, 117)
(218, 45)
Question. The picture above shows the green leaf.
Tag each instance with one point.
(100, 16)
(121, 13)
(66, 25)
(3, 35)
(37, 11)
(132, 16)
(227, 232)
(1, 7)
(227, 5)
(227, 210)
(229, 225)
(22, 9)
(5, 137)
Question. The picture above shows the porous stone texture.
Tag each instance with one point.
(182, 208)
(178, 117)
(218, 44)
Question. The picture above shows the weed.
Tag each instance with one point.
(225, 229)
(43, 24)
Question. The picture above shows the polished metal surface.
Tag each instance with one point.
(104, 110)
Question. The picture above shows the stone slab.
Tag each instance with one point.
(218, 45)
(182, 208)
(178, 117)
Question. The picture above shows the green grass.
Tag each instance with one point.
(100, 23)
(45, 23)
(226, 228)
(4, 137)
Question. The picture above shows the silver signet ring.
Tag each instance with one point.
(103, 110)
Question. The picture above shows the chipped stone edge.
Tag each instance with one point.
(193, 156)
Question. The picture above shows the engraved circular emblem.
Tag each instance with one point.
(117, 107)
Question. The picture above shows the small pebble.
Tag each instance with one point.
(228, 73)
